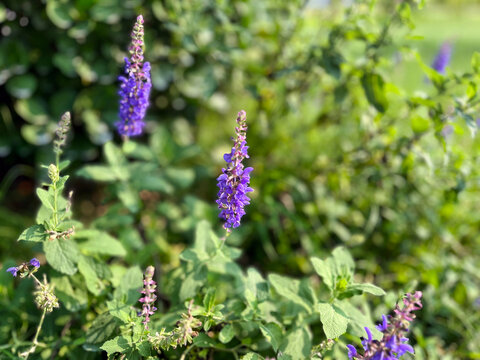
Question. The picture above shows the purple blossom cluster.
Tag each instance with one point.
(394, 328)
(135, 86)
(235, 179)
(443, 58)
(148, 300)
(24, 268)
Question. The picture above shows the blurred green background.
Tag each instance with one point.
(330, 169)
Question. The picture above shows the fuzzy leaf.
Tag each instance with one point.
(35, 233)
(333, 320)
(62, 255)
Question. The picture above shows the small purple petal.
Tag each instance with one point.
(35, 262)
(13, 271)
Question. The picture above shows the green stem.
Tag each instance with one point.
(35, 339)
(55, 210)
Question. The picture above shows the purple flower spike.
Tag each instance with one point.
(234, 181)
(393, 344)
(443, 58)
(148, 300)
(35, 262)
(135, 86)
(13, 271)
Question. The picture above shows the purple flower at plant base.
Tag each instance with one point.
(148, 300)
(13, 271)
(393, 343)
(135, 86)
(35, 262)
(443, 58)
(235, 179)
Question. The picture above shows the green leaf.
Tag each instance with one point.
(205, 240)
(74, 299)
(192, 283)
(290, 289)
(22, 86)
(120, 310)
(358, 320)
(58, 13)
(273, 334)
(46, 198)
(257, 285)
(336, 267)
(35, 233)
(333, 320)
(98, 173)
(129, 289)
(119, 344)
(296, 345)
(101, 329)
(100, 242)
(419, 124)
(62, 255)
(209, 299)
(373, 85)
(203, 340)
(226, 334)
(252, 356)
(88, 268)
(366, 287)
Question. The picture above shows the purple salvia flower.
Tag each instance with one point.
(13, 271)
(149, 297)
(234, 181)
(443, 58)
(135, 86)
(393, 344)
(35, 262)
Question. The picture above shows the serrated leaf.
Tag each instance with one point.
(101, 329)
(290, 289)
(296, 345)
(35, 233)
(273, 334)
(46, 198)
(62, 255)
(333, 322)
(119, 344)
(226, 334)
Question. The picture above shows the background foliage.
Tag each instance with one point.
(346, 136)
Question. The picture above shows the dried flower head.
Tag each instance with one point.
(45, 297)
(394, 328)
(135, 86)
(234, 181)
